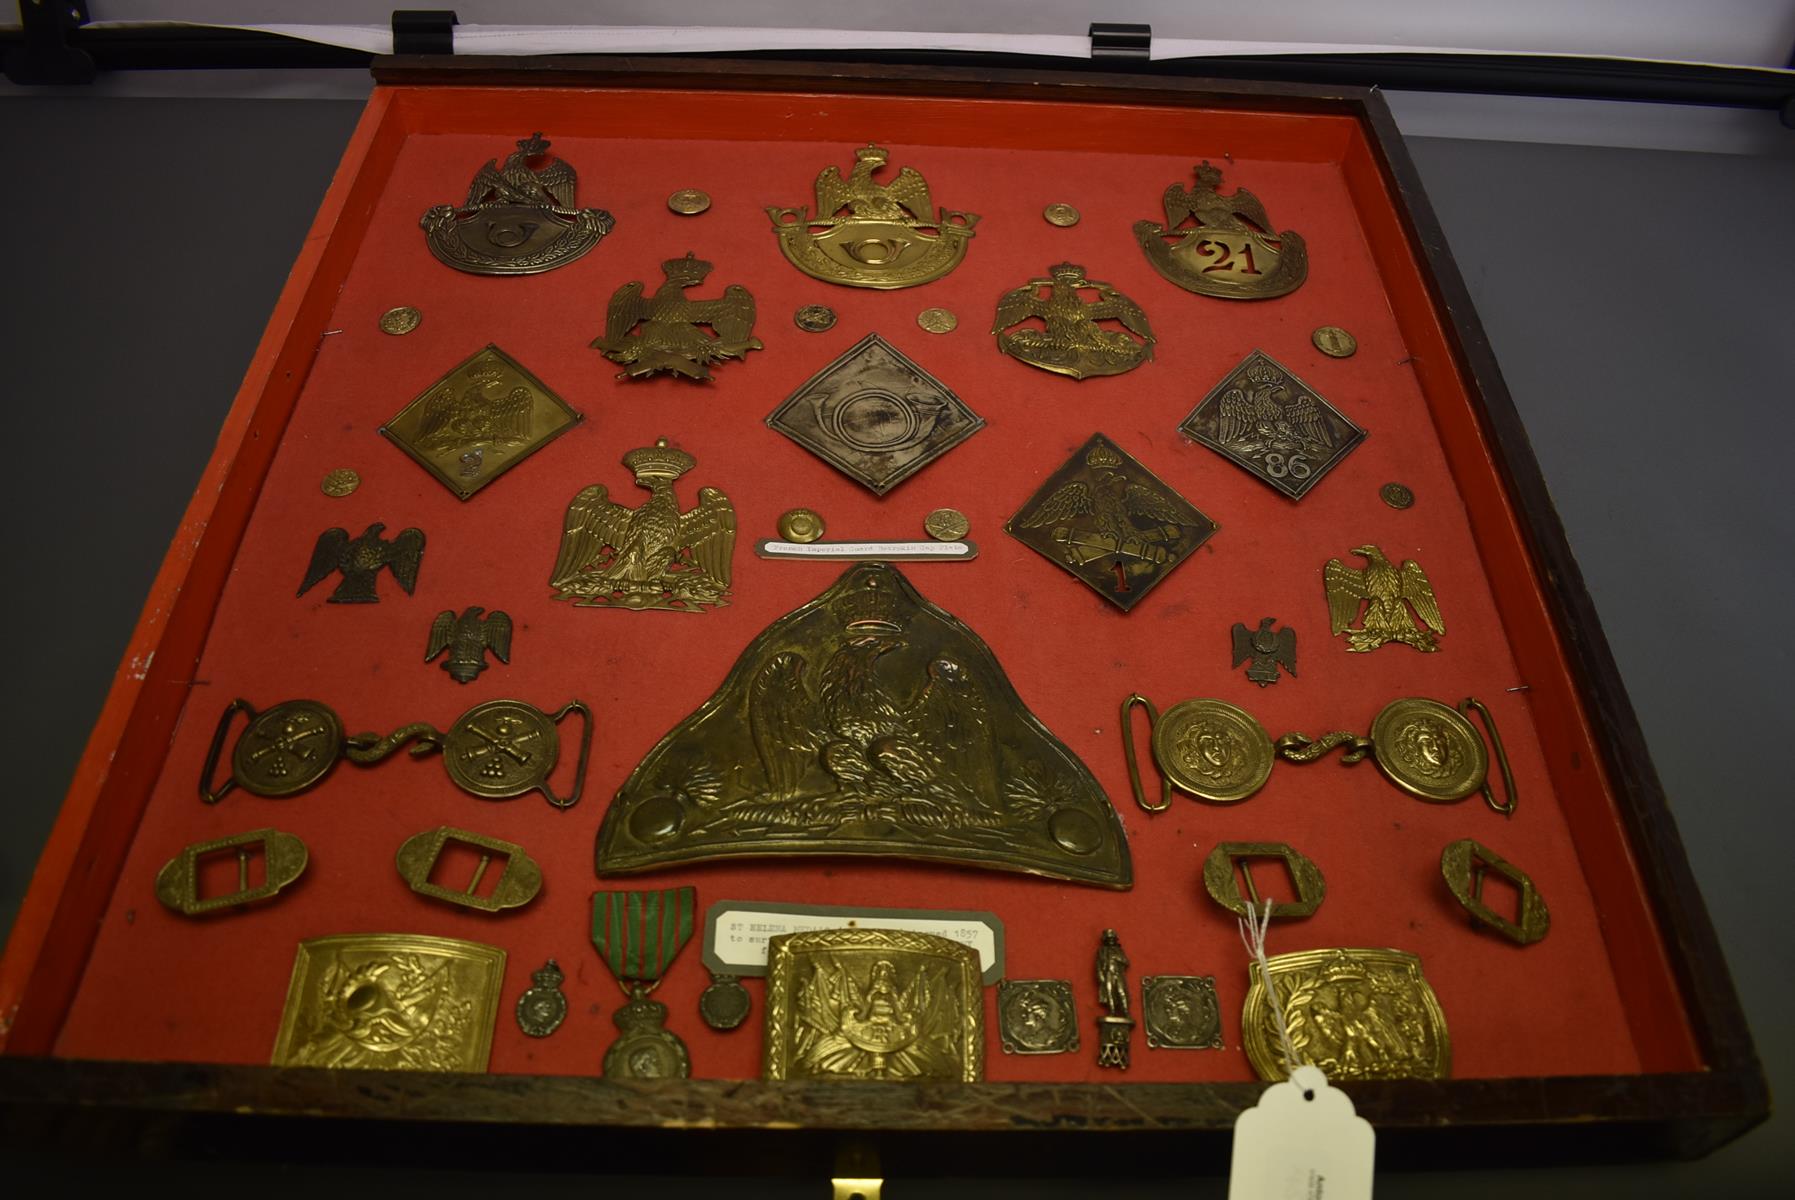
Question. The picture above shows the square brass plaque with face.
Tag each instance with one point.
(1111, 522)
(875, 415)
(481, 419)
(1273, 424)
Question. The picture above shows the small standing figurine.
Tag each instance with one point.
(1115, 1027)
(1267, 650)
(672, 337)
(467, 638)
(360, 559)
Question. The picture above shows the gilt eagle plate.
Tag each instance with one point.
(868, 721)
(1110, 522)
(478, 421)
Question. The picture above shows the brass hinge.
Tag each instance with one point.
(857, 1175)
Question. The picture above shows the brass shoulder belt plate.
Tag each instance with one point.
(391, 1001)
(1356, 1014)
(867, 721)
(873, 1004)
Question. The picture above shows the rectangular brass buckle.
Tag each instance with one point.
(517, 885)
(284, 858)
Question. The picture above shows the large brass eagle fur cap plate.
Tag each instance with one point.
(868, 721)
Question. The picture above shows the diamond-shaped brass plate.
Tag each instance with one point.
(1110, 522)
(1265, 419)
(478, 421)
(875, 415)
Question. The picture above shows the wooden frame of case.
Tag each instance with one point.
(990, 1128)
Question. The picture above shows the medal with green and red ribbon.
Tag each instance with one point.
(639, 934)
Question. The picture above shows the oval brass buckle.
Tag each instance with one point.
(284, 859)
(519, 879)
(1464, 863)
(495, 751)
(1208, 749)
(1226, 868)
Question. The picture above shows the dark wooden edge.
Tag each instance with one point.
(1449, 1122)
(1039, 1128)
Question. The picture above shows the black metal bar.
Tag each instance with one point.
(1582, 78)
(1113, 41)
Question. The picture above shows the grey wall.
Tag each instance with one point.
(1640, 302)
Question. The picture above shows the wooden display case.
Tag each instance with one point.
(1619, 1034)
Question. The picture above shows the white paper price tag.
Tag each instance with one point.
(1302, 1141)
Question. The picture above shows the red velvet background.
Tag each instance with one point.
(160, 986)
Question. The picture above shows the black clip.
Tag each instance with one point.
(45, 55)
(424, 30)
(1121, 41)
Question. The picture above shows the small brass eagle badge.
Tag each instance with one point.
(672, 337)
(1386, 594)
(360, 560)
(1071, 340)
(654, 556)
(467, 638)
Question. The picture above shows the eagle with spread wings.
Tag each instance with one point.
(1240, 212)
(1259, 418)
(1071, 328)
(551, 185)
(360, 560)
(654, 556)
(672, 337)
(451, 423)
(1109, 502)
(1386, 593)
(904, 199)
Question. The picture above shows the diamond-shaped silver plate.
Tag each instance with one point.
(1266, 420)
(875, 415)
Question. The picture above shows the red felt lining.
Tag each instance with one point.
(211, 991)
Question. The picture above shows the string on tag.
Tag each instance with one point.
(1253, 928)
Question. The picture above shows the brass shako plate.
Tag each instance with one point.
(871, 234)
(482, 418)
(391, 1001)
(1222, 246)
(670, 331)
(1277, 428)
(867, 722)
(873, 1004)
(1113, 524)
(1107, 335)
(519, 218)
(1356, 1014)
(1428, 750)
(876, 415)
(1213, 750)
